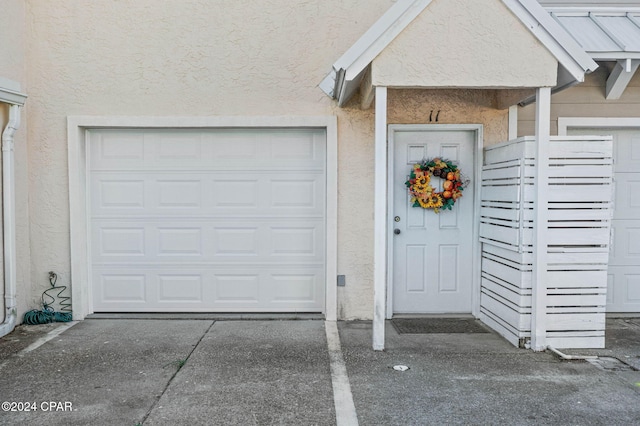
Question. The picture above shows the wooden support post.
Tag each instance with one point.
(541, 220)
(380, 220)
(620, 78)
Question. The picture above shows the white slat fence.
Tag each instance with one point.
(580, 209)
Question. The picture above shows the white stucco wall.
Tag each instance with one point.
(195, 58)
(461, 43)
(13, 67)
(200, 58)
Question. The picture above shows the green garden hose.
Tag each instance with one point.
(48, 313)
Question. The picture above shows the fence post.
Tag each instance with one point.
(541, 221)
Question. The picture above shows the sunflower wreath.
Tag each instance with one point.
(424, 195)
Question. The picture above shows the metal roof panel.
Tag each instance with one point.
(623, 29)
(587, 33)
(605, 33)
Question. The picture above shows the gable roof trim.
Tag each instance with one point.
(348, 70)
(349, 67)
(554, 37)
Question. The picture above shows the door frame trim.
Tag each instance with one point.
(77, 129)
(564, 123)
(477, 175)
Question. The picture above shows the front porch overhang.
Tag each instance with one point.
(609, 34)
(500, 44)
(512, 46)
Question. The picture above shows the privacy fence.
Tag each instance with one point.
(578, 226)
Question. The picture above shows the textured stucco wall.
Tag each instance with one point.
(456, 106)
(195, 58)
(13, 67)
(461, 43)
(356, 139)
(231, 57)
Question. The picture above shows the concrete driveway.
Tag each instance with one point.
(206, 372)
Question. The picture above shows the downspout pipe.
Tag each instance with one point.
(9, 221)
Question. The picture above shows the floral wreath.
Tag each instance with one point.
(424, 195)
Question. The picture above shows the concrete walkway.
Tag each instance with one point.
(205, 372)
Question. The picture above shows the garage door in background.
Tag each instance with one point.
(221, 220)
(623, 292)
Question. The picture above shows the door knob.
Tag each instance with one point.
(396, 231)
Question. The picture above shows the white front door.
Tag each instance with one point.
(432, 253)
(623, 290)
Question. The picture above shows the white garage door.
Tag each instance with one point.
(207, 220)
(623, 292)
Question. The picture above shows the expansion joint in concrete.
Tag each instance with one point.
(179, 366)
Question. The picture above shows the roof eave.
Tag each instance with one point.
(555, 38)
(10, 92)
(614, 56)
(349, 67)
(344, 78)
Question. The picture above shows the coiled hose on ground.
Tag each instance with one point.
(48, 313)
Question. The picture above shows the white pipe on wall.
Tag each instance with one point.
(9, 221)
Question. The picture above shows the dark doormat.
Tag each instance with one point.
(437, 325)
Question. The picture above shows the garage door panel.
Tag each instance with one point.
(626, 247)
(179, 241)
(235, 193)
(294, 193)
(175, 147)
(276, 288)
(208, 220)
(180, 288)
(122, 288)
(240, 146)
(120, 240)
(118, 194)
(127, 194)
(289, 241)
(236, 240)
(117, 149)
(238, 288)
(268, 194)
(283, 146)
(208, 289)
(217, 150)
(177, 193)
(294, 287)
(220, 241)
(288, 147)
(623, 291)
(627, 151)
(627, 195)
